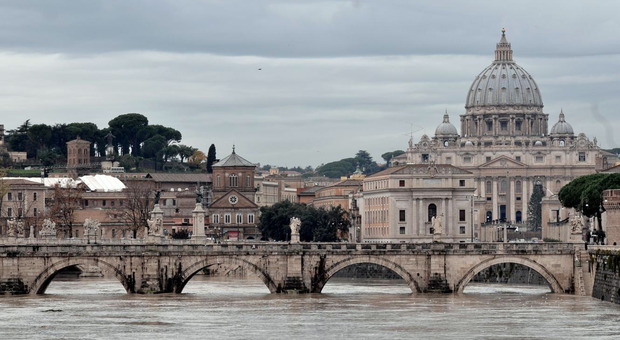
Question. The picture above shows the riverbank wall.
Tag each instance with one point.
(606, 266)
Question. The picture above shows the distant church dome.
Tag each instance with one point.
(446, 128)
(561, 127)
(503, 82)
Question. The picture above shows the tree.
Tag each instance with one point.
(211, 158)
(66, 200)
(387, 157)
(138, 205)
(197, 157)
(365, 162)
(185, 152)
(317, 225)
(584, 194)
(128, 131)
(343, 167)
(534, 209)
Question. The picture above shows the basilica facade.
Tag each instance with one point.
(506, 145)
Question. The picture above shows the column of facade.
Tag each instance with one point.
(421, 228)
(450, 218)
(513, 210)
(525, 186)
(495, 199)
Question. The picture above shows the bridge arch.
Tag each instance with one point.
(194, 268)
(553, 283)
(43, 280)
(337, 266)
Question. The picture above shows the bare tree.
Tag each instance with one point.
(65, 201)
(137, 205)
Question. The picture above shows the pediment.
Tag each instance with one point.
(503, 162)
(228, 202)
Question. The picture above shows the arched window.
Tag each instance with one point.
(432, 211)
(233, 180)
(518, 187)
(218, 181)
(489, 187)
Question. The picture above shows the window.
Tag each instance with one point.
(9, 212)
(518, 158)
(432, 211)
(518, 187)
(20, 196)
(539, 159)
(247, 181)
(401, 216)
(34, 212)
(488, 187)
(218, 181)
(233, 180)
(503, 125)
(466, 159)
(34, 196)
(503, 186)
(216, 218)
(112, 203)
(461, 182)
(250, 218)
(239, 218)
(582, 156)
(462, 215)
(103, 203)
(85, 203)
(488, 158)
(227, 218)
(518, 125)
(448, 160)
(558, 159)
(489, 125)
(9, 196)
(401, 183)
(462, 229)
(424, 157)
(402, 230)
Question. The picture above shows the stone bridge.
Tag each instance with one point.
(145, 268)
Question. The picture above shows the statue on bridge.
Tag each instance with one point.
(91, 226)
(436, 222)
(11, 227)
(21, 231)
(157, 196)
(576, 224)
(295, 225)
(49, 229)
(155, 226)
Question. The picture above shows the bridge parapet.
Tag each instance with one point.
(184, 247)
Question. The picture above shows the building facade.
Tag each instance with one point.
(418, 203)
(506, 145)
(233, 214)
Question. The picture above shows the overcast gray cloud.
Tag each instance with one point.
(336, 76)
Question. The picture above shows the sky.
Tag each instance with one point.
(298, 83)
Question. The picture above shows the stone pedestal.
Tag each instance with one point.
(198, 222)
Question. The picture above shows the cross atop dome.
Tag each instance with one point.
(503, 51)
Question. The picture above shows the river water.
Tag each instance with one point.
(236, 308)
